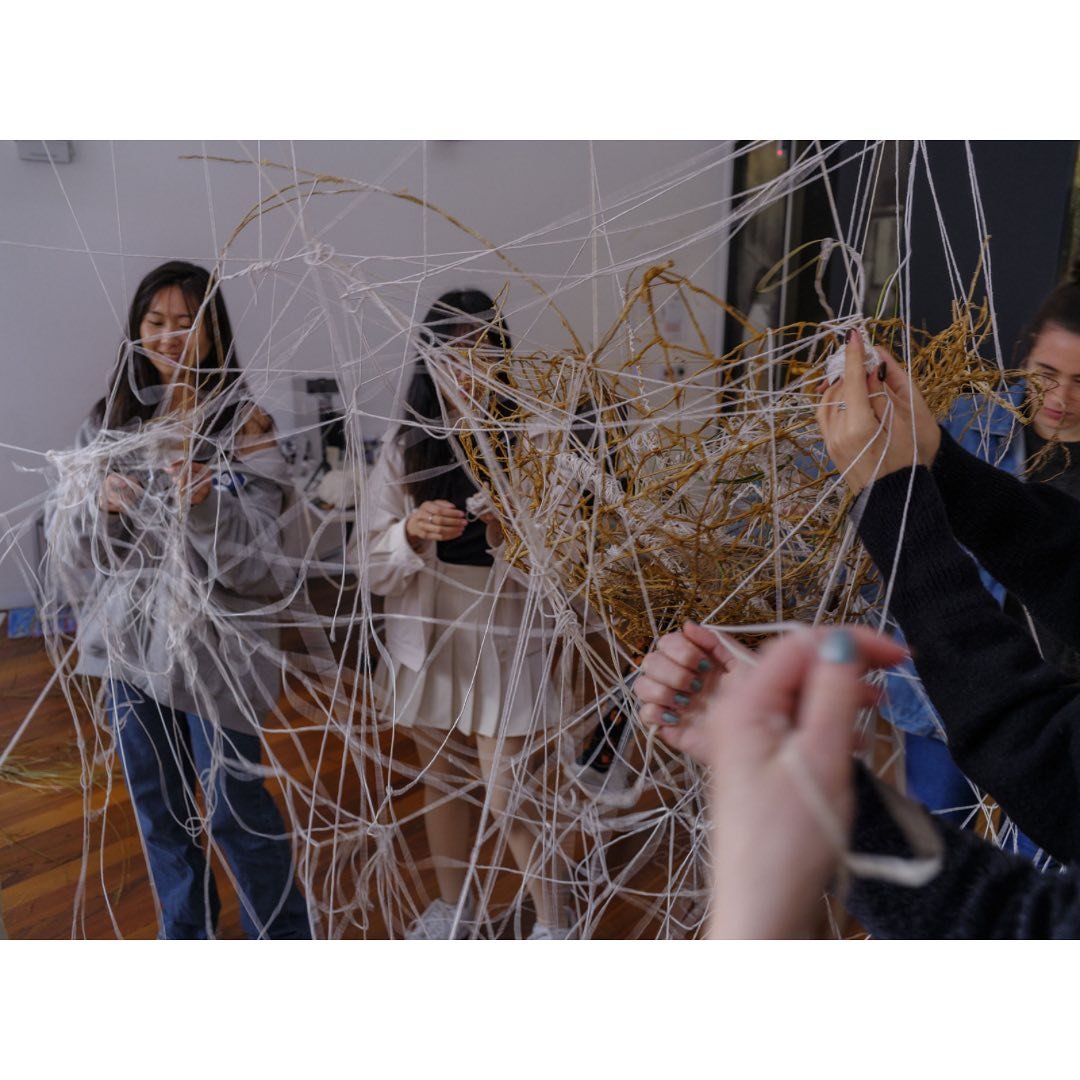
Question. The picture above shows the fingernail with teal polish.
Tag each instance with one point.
(838, 648)
(704, 666)
(669, 718)
(695, 685)
(682, 699)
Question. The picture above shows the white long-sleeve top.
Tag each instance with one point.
(405, 577)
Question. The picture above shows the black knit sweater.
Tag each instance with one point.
(1013, 722)
(981, 892)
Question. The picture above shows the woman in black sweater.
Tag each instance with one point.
(1013, 721)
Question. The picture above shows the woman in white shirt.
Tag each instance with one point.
(464, 661)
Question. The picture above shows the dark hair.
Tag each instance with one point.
(131, 395)
(430, 457)
(1061, 308)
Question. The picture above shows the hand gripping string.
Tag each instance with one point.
(925, 842)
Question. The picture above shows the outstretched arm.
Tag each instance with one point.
(1013, 722)
(778, 735)
(1025, 535)
(784, 790)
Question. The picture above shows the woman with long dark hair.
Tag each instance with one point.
(163, 531)
(453, 672)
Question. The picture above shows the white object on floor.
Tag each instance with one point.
(543, 932)
(437, 922)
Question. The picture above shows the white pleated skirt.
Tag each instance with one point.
(478, 679)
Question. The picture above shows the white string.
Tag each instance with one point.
(597, 835)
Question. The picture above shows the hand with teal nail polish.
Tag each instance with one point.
(781, 798)
(772, 856)
(677, 682)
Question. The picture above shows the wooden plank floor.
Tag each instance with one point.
(71, 863)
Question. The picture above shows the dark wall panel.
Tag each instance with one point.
(1024, 189)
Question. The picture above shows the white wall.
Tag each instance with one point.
(75, 240)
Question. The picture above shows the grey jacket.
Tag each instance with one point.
(180, 602)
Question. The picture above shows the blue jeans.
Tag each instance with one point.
(163, 750)
(934, 780)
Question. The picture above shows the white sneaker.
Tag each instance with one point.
(437, 922)
(543, 932)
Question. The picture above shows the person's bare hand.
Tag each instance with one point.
(193, 480)
(911, 409)
(676, 686)
(119, 493)
(877, 423)
(769, 730)
(782, 796)
(494, 531)
(256, 432)
(681, 680)
(435, 520)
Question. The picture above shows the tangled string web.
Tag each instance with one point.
(640, 477)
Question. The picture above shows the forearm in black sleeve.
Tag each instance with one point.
(980, 891)
(1026, 535)
(1013, 722)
